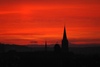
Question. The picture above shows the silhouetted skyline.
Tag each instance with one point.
(49, 33)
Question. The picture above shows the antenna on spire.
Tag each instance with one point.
(64, 23)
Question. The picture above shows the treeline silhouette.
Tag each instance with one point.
(55, 58)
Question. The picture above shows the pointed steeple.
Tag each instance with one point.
(64, 41)
(64, 34)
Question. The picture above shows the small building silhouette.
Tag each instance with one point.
(2, 48)
(57, 48)
(45, 46)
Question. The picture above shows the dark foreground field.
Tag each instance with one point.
(48, 59)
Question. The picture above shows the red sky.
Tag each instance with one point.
(27, 21)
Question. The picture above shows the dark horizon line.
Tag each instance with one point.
(51, 45)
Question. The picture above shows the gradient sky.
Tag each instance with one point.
(37, 21)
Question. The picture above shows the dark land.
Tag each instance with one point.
(76, 57)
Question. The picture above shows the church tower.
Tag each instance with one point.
(64, 42)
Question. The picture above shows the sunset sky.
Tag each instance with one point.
(36, 21)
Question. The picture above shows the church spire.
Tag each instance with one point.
(64, 34)
(64, 41)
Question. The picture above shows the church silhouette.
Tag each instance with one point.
(64, 42)
(64, 45)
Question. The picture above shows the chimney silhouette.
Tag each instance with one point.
(45, 45)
